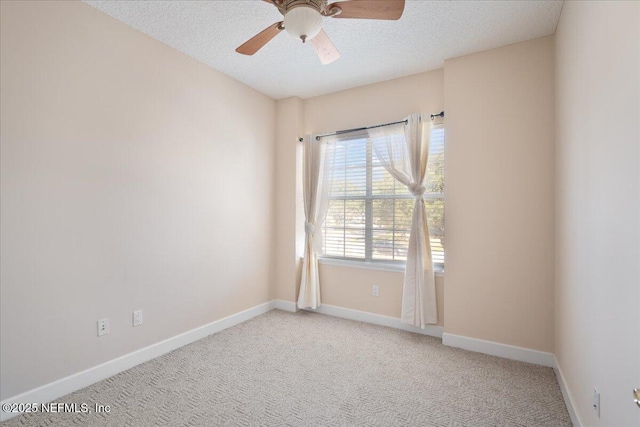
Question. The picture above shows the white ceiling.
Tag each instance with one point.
(428, 33)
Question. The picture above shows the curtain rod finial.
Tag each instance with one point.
(440, 114)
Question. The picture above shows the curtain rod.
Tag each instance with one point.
(433, 116)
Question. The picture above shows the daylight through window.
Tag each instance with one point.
(369, 216)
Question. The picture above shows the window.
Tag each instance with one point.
(369, 215)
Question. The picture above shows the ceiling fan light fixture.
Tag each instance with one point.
(303, 22)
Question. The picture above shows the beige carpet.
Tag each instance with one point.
(307, 369)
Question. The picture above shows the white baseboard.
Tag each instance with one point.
(497, 349)
(64, 386)
(285, 305)
(376, 319)
(566, 394)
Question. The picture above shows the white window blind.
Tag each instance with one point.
(369, 216)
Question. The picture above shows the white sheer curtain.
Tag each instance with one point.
(317, 175)
(403, 150)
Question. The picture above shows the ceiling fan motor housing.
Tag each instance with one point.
(287, 5)
(303, 18)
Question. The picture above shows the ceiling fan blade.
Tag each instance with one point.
(326, 51)
(255, 43)
(368, 9)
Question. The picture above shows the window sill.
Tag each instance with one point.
(368, 265)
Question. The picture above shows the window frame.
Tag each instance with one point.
(368, 198)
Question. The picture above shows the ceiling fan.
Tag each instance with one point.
(303, 20)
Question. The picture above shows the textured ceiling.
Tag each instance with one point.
(428, 33)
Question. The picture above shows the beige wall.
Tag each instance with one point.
(289, 128)
(124, 167)
(376, 103)
(352, 288)
(500, 195)
(367, 105)
(597, 296)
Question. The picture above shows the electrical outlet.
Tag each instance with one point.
(103, 327)
(596, 401)
(137, 318)
(376, 290)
